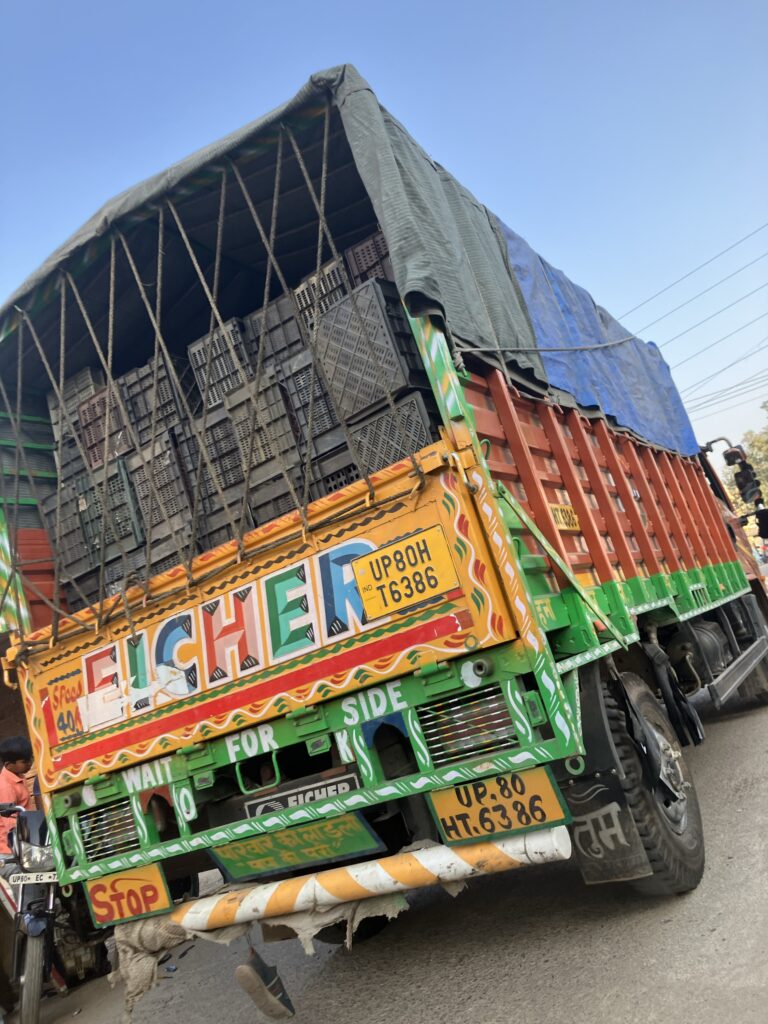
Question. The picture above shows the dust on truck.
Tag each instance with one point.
(382, 556)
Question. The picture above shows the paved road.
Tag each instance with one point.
(533, 946)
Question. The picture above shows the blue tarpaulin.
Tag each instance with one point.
(630, 381)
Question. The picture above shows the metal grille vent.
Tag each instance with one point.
(467, 725)
(109, 830)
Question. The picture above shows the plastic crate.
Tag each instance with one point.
(29, 430)
(25, 490)
(92, 420)
(325, 288)
(134, 567)
(70, 463)
(272, 498)
(333, 472)
(87, 584)
(275, 329)
(162, 498)
(386, 436)
(146, 399)
(188, 448)
(123, 526)
(229, 363)
(265, 414)
(295, 375)
(30, 460)
(119, 573)
(369, 259)
(70, 545)
(215, 528)
(362, 363)
(75, 391)
(222, 449)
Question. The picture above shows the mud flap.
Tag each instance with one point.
(606, 843)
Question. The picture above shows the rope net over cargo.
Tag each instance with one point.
(222, 356)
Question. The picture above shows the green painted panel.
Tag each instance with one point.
(321, 842)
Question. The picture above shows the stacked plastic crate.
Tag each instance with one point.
(125, 519)
(370, 362)
(301, 413)
(347, 367)
(299, 397)
(215, 474)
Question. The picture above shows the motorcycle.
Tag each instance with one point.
(55, 946)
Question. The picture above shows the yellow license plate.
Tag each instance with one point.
(565, 517)
(502, 803)
(405, 573)
(134, 893)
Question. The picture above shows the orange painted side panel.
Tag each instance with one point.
(640, 511)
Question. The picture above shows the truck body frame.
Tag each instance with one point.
(380, 666)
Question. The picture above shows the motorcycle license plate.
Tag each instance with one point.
(33, 877)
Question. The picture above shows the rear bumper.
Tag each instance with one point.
(418, 869)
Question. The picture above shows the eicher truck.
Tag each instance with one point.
(350, 548)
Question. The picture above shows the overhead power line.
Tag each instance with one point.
(713, 315)
(704, 292)
(742, 382)
(758, 386)
(725, 337)
(763, 343)
(695, 270)
(717, 412)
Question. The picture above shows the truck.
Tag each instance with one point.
(379, 555)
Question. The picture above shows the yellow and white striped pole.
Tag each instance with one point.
(416, 870)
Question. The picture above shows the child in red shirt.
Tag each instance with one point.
(16, 760)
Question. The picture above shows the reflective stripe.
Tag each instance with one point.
(403, 871)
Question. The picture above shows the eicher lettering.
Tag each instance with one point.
(312, 789)
(259, 624)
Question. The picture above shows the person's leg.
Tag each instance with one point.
(7, 998)
(7, 937)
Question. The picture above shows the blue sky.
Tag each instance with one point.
(627, 142)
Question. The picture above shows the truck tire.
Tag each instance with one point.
(32, 979)
(671, 831)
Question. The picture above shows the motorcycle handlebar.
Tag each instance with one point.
(10, 810)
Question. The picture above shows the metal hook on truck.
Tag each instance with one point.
(362, 552)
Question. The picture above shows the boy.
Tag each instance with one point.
(16, 760)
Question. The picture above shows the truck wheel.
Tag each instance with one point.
(671, 830)
(32, 979)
